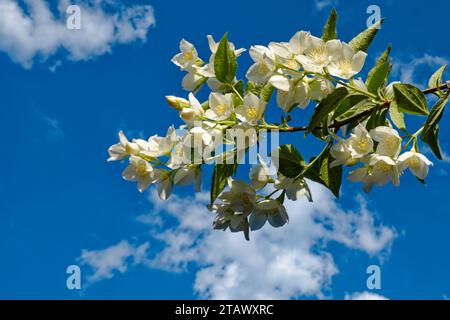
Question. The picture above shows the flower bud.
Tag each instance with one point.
(177, 103)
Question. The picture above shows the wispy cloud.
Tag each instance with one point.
(107, 262)
(407, 69)
(277, 263)
(322, 4)
(33, 32)
(366, 295)
(283, 263)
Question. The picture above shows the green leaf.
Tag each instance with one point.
(239, 86)
(378, 76)
(329, 30)
(397, 117)
(410, 99)
(219, 179)
(357, 109)
(363, 40)
(434, 117)
(290, 161)
(266, 92)
(384, 56)
(225, 64)
(432, 139)
(321, 172)
(348, 102)
(436, 79)
(326, 106)
(377, 118)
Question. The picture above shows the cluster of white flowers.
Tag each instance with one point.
(298, 69)
(241, 208)
(302, 70)
(382, 164)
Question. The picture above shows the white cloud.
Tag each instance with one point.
(364, 296)
(322, 4)
(280, 263)
(104, 263)
(406, 70)
(33, 32)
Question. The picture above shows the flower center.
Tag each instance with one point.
(291, 63)
(345, 65)
(252, 112)
(383, 166)
(188, 55)
(142, 170)
(263, 68)
(391, 142)
(362, 144)
(319, 55)
(221, 109)
(413, 162)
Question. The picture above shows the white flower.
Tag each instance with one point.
(164, 184)
(226, 217)
(284, 54)
(188, 56)
(360, 142)
(320, 88)
(264, 64)
(271, 210)
(315, 53)
(160, 146)
(122, 149)
(341, 153)
(178, 156)
(389, 141)
(139, 170)
(295, 189)
(416, 162)
(241, 197)
(347, 63)
(188, 175)
(291, 92)
(379, 170)
(251, 110)
(192, 81)
(221, 106)
(193, 113)
(350, 151)
(260, 174)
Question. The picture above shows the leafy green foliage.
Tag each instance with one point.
(432, 139)
(363, 40)
(431, 127)
(290, 161)
(357, 109)
(378, 77)
(410, 99)
(436, 78)
(397, 117)
(325, 107)
(225, 64)
(329, 30)
(377, 118)
(321, 172)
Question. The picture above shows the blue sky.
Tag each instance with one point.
(59, 196)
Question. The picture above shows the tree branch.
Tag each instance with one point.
(337, 125)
